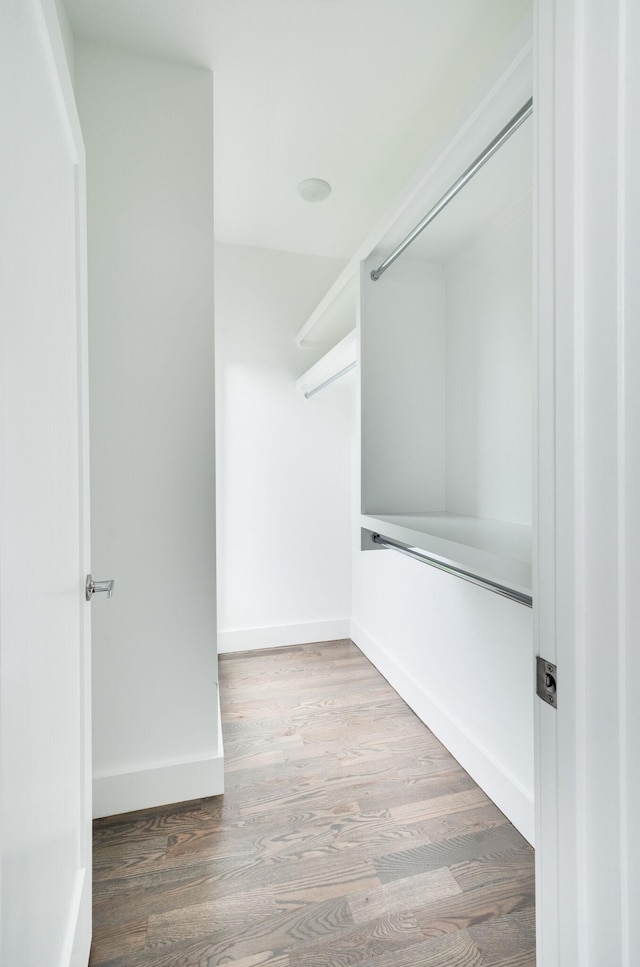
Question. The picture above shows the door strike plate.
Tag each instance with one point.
(547, 681)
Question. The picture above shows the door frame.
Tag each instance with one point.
(586, 558)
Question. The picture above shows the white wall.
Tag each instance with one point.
(403, 363)
(283, 462)
(148, 132)
(489, 361)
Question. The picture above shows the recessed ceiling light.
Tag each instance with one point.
(314, 189)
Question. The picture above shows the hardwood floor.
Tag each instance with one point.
(347, 835)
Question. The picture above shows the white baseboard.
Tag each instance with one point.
(146, 788)
(77, 944)
(160, 785)
(505, 791)
(247, 639)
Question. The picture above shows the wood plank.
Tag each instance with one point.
(315, 886)
(247, 745)
(109, 942)
(379, 831)
(309, 706)
(266, 832)
(474, 819)
(499, 868)
(524, 959)
(402, 895)
(266, 958)
(208, 814)
(476, 906)
(454, 950)
(507, 935)
(445, 805)
(389, 794)
(384, 935)
(283, 931)
(255, 760)
(121, 859)
(446, 852)
(201, 919)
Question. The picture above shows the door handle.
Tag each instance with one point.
(95, 587)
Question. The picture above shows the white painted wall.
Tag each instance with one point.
(403, 401)
(284, 481)
(489, 415)
(148, 131)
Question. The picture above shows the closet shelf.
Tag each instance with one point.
(494, 549)
(335, 314)
(337, 362)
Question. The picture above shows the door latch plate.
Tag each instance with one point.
(547, 681)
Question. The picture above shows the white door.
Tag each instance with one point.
(45, 815)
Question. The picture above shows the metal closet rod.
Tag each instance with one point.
(332, 379)
(501, 589)
(449, 195)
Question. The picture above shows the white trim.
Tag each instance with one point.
(505, 791)
(77, 944)
(62, 85)
(177, 782)
(589, 528)
(161, 784)
(279, 636)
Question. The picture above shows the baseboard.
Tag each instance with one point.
(160, 785)
(501, 787)
(146, 788)
(278, 636)
(77, 944)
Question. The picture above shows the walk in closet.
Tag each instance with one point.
(444, 349)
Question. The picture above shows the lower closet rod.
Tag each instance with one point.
(506, 592)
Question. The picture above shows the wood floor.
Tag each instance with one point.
(347, 835)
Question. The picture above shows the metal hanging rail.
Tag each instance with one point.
(426, 558)
(332, 379)
(466, 176)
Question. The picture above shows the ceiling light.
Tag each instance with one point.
(314, 189)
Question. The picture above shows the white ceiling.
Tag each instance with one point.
(352, 91)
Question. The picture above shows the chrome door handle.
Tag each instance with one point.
(94, 587)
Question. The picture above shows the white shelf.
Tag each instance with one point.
(335, 314)
(341, 357)
(493, 549)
